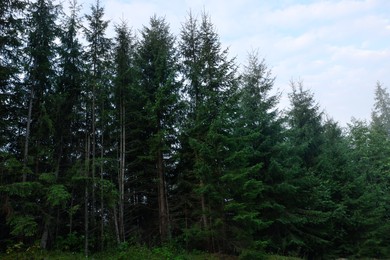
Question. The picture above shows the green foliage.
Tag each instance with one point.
(72, 242)
(23, 225)
(57, 195)
(172, 126)
(47, 177)
(110, 192)
(249, 254)
(22, 189)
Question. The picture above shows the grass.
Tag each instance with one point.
(124, 252)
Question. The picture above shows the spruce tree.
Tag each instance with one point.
(371, 153)
(11, 96)
(335, 169)
(157, 63)
(98, 105)
(125, 98)
(301, 223)
(40, 79)
(68, 124)
(257, 132)
(211, 92)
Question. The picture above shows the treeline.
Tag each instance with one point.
(159, 138)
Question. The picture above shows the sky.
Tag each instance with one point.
(339, 49)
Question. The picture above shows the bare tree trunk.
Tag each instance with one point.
(71, 214)
(86, 215)
(121, 176)
(45, 235)
(93, 154)
(101, 198)
(162, 200)
(203, 205)
(27, 139)
(116, 225)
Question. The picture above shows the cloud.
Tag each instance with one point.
(339, 48)
(308, 15)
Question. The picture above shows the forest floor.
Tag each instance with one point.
(131, 253)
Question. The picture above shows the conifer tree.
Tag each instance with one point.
(68, 123)
(157, 62)
(11, 100)
(302, 223)
(40, 80)
(68, 90)
(211, 88)
(257, 131)
(124, 99)
(335, 169)
(375, 175)
(97, 96)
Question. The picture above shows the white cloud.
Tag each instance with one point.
(339, 48)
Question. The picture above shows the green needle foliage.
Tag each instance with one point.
(156, 145)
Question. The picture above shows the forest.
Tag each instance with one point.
(151, 139)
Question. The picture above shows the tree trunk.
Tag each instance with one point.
(86, 215)
(45, 235)
(71, 214)
(101, 198)
(116, 225)
(93, 154)
(203, 205)
(121, 178)
(162, 200)
(27, 139)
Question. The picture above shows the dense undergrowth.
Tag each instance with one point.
(127, 252)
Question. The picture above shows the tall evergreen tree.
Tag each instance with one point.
(125, 97)
(211, 88)
(301, 223)
(157, 62)
(97, 102)
(11, 100)
(40, 80)
(12, 109)
(257, 131)
(68, 91)
(335, 169)
(369, 147)
(375, 173)
(68, 123)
